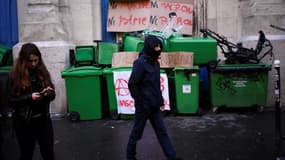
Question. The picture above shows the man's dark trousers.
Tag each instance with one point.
(142, 114)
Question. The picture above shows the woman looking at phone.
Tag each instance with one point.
(31, 93)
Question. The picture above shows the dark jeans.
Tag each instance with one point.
(154, 115)
(37, 129)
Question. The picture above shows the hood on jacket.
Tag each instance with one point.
(150, 43)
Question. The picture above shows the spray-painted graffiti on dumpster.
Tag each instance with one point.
(125, 102)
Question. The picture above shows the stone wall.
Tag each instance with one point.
(39, 20)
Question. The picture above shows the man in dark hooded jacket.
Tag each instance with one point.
(144, 86)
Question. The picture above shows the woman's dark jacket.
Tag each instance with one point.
(25, 107)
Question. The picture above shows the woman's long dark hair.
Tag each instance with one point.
(20, 79)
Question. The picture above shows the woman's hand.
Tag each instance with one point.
(49, 90)
(46, 91)
(36, 96)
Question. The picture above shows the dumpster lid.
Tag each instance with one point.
(82, 71)
(3, 48)
(121, 68)
(110, 70)
(6, 69)
(242, 67)
(192, 39)
(5, 55)
(193, 68)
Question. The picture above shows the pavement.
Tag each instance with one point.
(238, 134)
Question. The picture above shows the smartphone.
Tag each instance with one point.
(42, 93)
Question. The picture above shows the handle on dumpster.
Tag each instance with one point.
(81, 68)
(72, 60)
(6, 58)
(123, 67)
(188, 72)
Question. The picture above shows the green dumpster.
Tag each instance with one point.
(85, 55)
(83, 92)
(108, 74)
(106, 51)
(134, 44)
(5, 69)
(111, 96)
(239, 85)
(204, 49)
(185, 85)
(4, 89)
(6, 57)
(4, 75)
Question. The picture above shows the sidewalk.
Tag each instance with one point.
(224, 136)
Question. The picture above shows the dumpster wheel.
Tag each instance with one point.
(114, 115)
(74, 116)
(259, 108)
(199, 112)
(215, 109)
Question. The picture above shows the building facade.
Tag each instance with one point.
(57, 26)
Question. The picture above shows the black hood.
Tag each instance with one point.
(149, 44)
